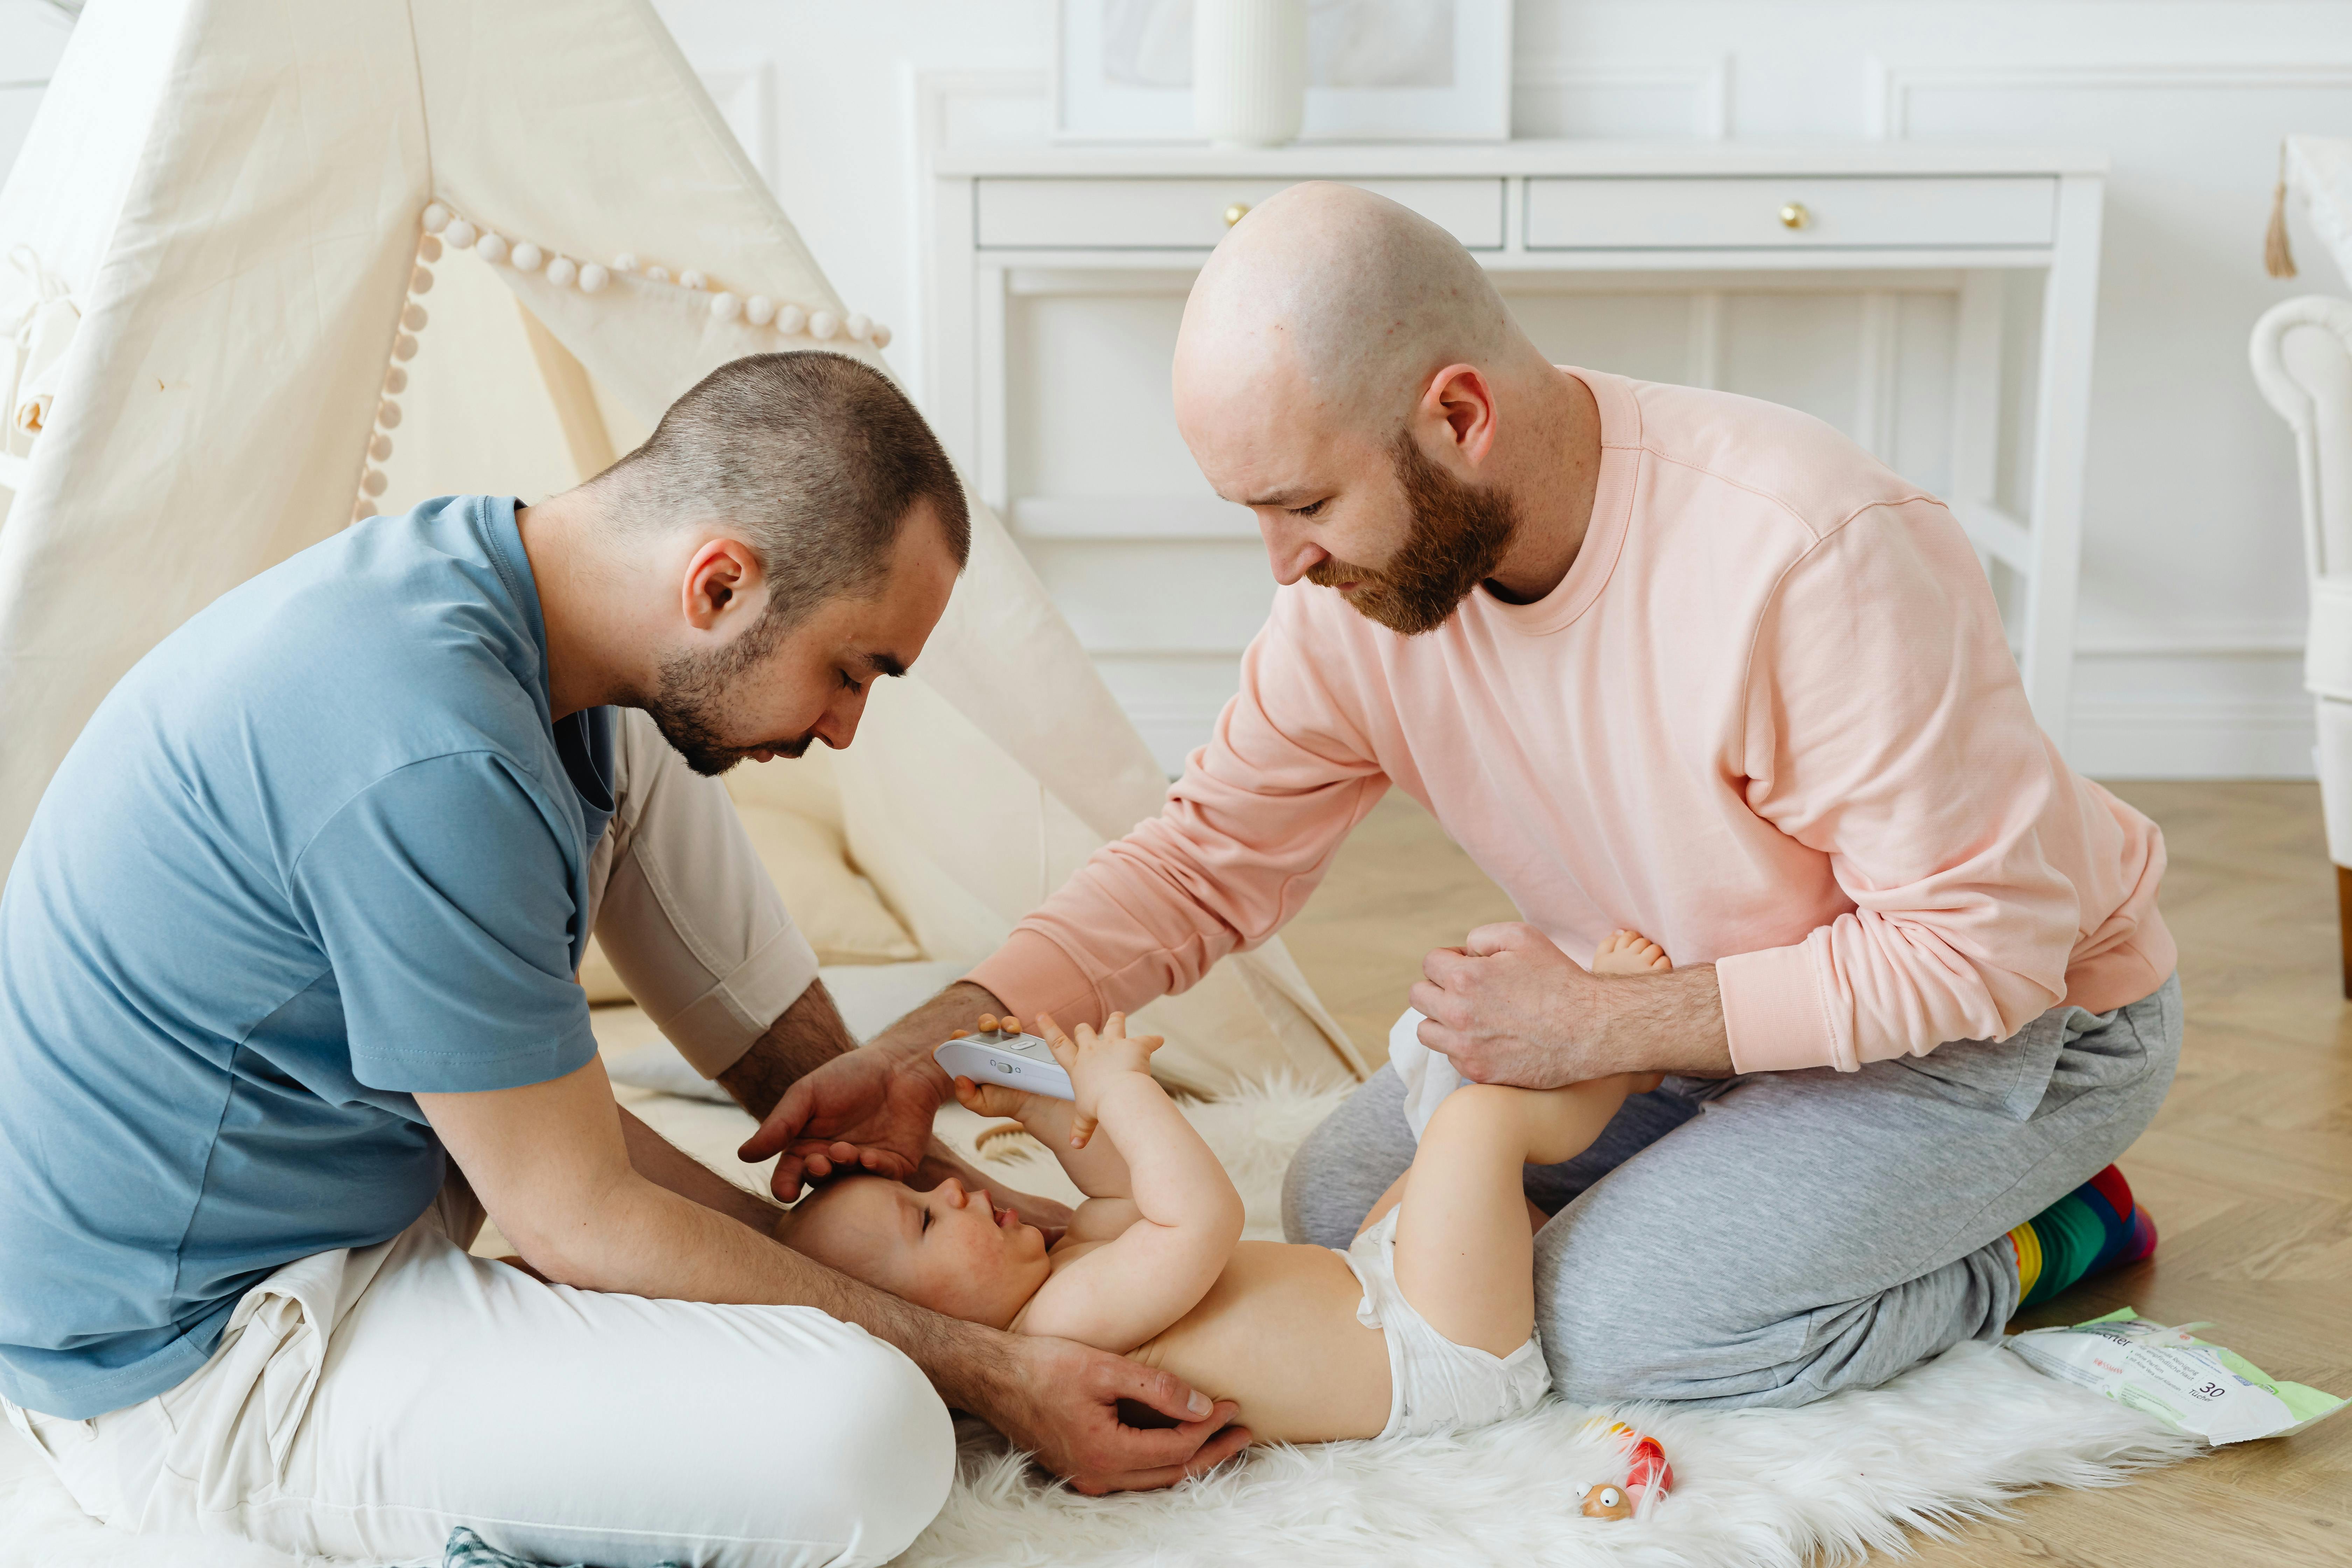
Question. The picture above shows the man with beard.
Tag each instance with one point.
(287, 1001)
(1658, 659)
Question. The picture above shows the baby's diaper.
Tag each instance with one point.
(1428, 1076)
(1436, 1385)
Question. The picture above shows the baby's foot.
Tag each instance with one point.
(1630, 952)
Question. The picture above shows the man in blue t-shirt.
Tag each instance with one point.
(286, 979)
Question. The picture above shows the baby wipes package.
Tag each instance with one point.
(2177, 1377)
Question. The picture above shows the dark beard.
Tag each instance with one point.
(1459, 534)
(694, 692)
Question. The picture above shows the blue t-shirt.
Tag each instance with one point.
(321, 849)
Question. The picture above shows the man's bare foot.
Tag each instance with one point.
(1630, 952)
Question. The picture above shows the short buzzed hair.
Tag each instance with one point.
(817, 458)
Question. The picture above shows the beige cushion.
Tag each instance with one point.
(835, 908)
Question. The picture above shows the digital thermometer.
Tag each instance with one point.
(1007, 1056)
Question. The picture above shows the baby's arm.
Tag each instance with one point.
(1098, 1169)
(1185, 1213)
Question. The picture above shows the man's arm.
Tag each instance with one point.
(552, 1164)
(1509, 1006)
(804, 1037)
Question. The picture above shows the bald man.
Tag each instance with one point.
(1656, 657)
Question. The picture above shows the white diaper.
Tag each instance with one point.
(1436, 1385)
(1428, 1076)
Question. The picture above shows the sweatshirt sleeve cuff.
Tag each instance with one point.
(1772, 1015)
(1031, 974)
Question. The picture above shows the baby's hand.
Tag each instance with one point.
(1095, 1061)
(995, 1099)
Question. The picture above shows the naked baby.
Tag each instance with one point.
(1426, 1324)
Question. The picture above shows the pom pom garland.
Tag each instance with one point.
(363, 511)
(443, 228)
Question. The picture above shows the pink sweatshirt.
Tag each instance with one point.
(1769, 719)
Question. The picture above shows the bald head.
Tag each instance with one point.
(1343, 298)
(1347, 372)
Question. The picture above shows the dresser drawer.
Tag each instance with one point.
(1747, 214)
(1190, 214)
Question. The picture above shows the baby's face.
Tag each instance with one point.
(950, 1250)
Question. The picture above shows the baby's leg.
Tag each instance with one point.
(1464, 1252)
(1630, 952)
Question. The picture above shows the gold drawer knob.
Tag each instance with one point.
(1235, 213)
(1794, 215)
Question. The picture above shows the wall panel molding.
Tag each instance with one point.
(1887, 86)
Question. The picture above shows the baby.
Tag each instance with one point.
(1426, 1324)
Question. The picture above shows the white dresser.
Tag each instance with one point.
(1936, 302)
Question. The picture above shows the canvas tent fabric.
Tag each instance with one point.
(244, 331)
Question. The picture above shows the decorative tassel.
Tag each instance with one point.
(2277, 259)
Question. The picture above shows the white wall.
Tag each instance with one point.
(2191, 611)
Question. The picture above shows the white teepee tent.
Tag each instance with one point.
(238, 326)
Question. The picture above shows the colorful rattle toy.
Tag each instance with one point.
(1645, 1467)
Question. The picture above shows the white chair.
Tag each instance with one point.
(2303, 360)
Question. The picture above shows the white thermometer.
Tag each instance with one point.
(1008, 1057)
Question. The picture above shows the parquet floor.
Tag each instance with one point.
(2248, 1170)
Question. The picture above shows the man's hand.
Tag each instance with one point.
(1509, 1006)
(869, 1109)
(1062, 1403)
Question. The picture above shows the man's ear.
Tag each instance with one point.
(725, 585)
(1459, 406)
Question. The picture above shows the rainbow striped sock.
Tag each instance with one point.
(2095, 1226)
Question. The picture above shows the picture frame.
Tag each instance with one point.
(1378, 71)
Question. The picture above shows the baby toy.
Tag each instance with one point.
(1645, 1469)
(1000, 1053)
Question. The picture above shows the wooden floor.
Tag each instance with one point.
(2247, 1169)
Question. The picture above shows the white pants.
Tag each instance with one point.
(362, 1403)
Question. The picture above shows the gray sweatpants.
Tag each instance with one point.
(1772, 1238)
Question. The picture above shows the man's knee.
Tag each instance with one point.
(1347, 1164)
(825, 1435)
(889, 1458)
(1622, 1322)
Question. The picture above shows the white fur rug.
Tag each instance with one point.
(1752, 1489)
